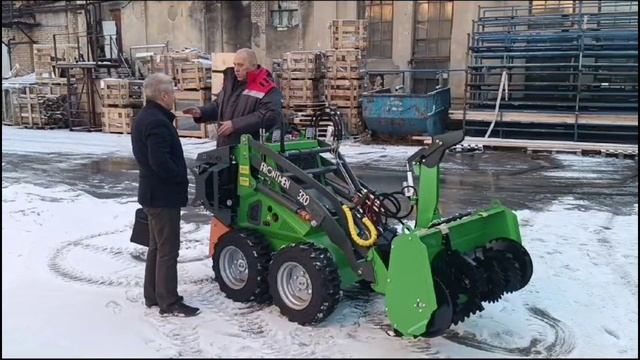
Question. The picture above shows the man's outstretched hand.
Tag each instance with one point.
(225, 128)
(193, 111)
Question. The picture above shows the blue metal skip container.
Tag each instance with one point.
(400, 115)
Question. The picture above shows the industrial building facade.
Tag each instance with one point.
(577, 57)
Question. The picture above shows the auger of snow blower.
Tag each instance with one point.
(292, 224)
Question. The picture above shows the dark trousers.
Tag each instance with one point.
(161, 271)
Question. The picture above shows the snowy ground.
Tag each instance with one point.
(72, 283)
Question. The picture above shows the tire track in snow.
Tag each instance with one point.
(560, 341)
(250, 319)
(60, 264)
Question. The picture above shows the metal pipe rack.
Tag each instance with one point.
(580, 57)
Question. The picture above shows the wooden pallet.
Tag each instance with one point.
(299, 108)
(43, 61)
(166, 63)
(118, 120)
(302, 65)
(304, 122)
(342, 86)
(54, 86)
(122, 93)
(185, 99)
(191, 76)
(301, 91)
(349, 34)
(184, 124)
(28, 114)
(343, 92)
(344, 64)
(26, 108)
(188, 128)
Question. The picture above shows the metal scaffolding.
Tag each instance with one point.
(578, 58)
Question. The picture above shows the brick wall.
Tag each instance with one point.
(52, 23)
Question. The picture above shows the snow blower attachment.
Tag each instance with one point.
(294, 225)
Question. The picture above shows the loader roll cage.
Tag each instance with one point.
(336, 230)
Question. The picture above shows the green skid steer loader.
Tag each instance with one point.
(292, 224)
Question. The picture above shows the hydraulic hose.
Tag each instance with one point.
(373, 232)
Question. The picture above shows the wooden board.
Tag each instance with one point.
(547, 117)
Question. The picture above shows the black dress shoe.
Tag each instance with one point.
(155, 303)
(180, 309)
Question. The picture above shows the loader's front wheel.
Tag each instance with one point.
(240, 263)
(304, 283)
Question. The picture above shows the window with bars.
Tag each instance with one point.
(432, 42)
(284, 14)
(380, 18)
(433, 29)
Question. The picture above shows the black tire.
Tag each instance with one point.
(324, 280)
(257, 253)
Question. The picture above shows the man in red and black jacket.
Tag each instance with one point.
(249, 99)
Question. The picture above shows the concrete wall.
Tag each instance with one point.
(236, 25)
(316, 35)
(182, 23)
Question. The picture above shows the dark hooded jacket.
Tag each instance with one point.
(248, 104)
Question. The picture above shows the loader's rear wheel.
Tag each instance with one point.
(304, 283)
(441, 318)
(240, 263)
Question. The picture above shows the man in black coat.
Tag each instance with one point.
(162, 192)
(249, 100)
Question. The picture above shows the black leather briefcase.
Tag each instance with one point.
(140, 233)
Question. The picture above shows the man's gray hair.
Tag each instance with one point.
(157, 83)
(249, 55)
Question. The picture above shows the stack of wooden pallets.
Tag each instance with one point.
(344, 80)
(121, 102)
(44, 59)
(301, 84)
(301, 81)
(33, 110)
